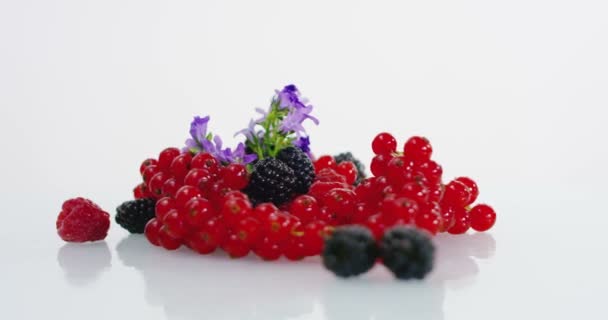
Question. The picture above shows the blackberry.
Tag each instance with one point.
(350, 251)
(133, 215)
(301, 165)
(271, 181)
(407, 252)
(347, 156)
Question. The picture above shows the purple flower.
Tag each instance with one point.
(248, 132)
(304, 144)
(198, 133)
(294, 119)
(238, 155)
(289, 97)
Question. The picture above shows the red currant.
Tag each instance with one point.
(474, 190)
(415, 191)
(163, 206)
(348, 170)
(456, 193)
(398, 209)
(180, 166)
(277, 227)
(294, 249)
(268, 250)
(235, 247)
(384, 143)
(140, 191)
(205, 161)
(379, 164)
(376, 224)
(166, 157)
(482, 217)
(149, 172)
(170, 187)
(418, 149)
(461, 221)
(362, 211)
(448, 215)
(196, 176)
(305, 207)
(175, 223)
(328, 216)
(325, 162)
(155, 185)
(264, 210)
(432, 171)
(184, 194)
(235, 176)
(198, 241)
(313, 237)
(166, 240)
(197, 211)
(152, 231)
(429, 222)
(235, 209)
(146, 163)
(248, 230)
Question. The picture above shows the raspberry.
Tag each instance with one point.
(407, 252)
(347, 156)
(350, 251)
(82, 220)
(134, 215)
(271, 181)
(301, 165)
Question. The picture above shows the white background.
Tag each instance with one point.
(511, 93)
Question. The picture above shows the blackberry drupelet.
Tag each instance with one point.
(350, 251)
(301, 165)
(347, 156)
(133, 215)
(271, 181)
(407, 252)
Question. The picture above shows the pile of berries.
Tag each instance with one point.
(272, 197)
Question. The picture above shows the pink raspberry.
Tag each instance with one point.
(82, 220)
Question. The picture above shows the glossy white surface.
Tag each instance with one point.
(512, 94)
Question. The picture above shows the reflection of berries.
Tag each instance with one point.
(407, 252)
(271, 181)
(350, 251)
(82, 220)
(133, 215)
(347, 156)
(301, 165)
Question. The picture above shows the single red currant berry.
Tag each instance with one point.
(235, 194)
(429, 222)
(217, 193)
(461, 221)
(432, 171)
(235, 247)
(235, 209)
(325, 162)
(149, 172)
(362, 211)
(184, 194)
(328, 216)
(166, 240)
(341, 202)
(214, 232)
(294, 249)
(456, 193)
(474, 190)
(175, 223)
(384, 143)
(364, 190)
(264, 210)
(305, 207)
(205, 161)
(248, 230)
(436, 192)
(268, 250)
(313, 237)
(235, 176)
(277, 227)
(163, 206)
(418, 149)
(155, 185)
(198, 241)
(147, 163)
(197, 211)
(378, 165)
(396, 171)
(448, 215)
(139, 192)
(180, 166)
(194, 177)
(166, 157)
(482, 217)
(152, 230)
(170, 187)
(348, 170)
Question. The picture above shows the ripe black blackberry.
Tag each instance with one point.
(347, 156)
(407, 252)
(133, 215)
(301, 165)
(271, 181)
(350, 251)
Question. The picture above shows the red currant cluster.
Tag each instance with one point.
(201, 206)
